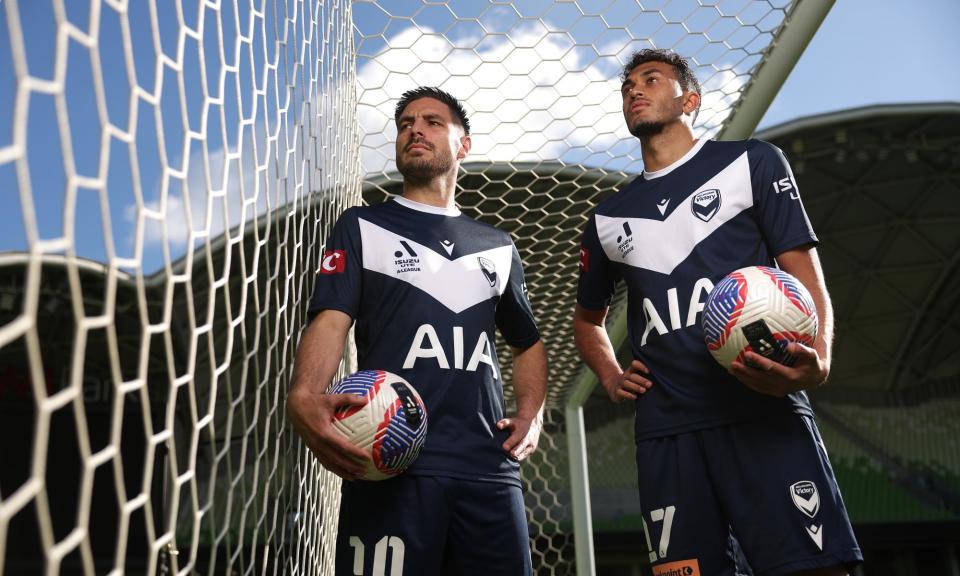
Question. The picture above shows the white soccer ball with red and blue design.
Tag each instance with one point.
(759, 309)
(391, 426)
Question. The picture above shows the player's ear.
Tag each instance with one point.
(465, 144)
(691, 102)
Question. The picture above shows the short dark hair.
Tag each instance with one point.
(686, 77)
(456, 108)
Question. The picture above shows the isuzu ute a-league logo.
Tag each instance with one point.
(625, 240)
(489, 270)
(406, 259)
(807, 500)
(705, 204)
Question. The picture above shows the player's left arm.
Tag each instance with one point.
(530, 387)
(812, 366)
(514, 318)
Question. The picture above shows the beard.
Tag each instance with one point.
(423, 169)
(646, 129)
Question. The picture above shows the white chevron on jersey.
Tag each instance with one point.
(660, 246)
(457, 284)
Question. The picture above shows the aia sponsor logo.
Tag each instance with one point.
(679, 568)
(333, 262)
(584, 260)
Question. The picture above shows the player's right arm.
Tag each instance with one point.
(336, 302)
(310, 408)
(590, 336)
(594, 291)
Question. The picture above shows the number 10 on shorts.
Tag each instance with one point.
(662, 516)
(379, 556)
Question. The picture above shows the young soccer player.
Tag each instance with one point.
(717, 452)
(427, 287)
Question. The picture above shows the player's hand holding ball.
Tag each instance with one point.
(389, 426)
(760, 323)
(312, 414)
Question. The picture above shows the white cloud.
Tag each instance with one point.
(502, 86)
(504, 82)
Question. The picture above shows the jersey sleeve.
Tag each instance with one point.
(779, 210)
(598, 277)
(514, 315)
(340, 274)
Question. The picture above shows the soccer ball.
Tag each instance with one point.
(391, 427)
(758, 309)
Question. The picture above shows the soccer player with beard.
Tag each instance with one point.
(427, 288)
(723, 457)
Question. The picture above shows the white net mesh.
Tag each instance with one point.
(170, 172)
(174, 168)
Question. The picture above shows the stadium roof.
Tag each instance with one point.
(882, 187)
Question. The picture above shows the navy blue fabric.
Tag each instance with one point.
(671, 238)
(442, 526)
(742, 476)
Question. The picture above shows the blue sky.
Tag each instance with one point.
(874, 52)
(866, 52)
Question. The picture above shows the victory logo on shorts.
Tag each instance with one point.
(333, 262)
(805, 497)
(705, 204)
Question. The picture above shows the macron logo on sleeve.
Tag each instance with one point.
(334, 262)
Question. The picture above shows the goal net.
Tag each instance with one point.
(170, 170)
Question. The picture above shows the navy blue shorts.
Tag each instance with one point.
(425, 525)
(767, 482)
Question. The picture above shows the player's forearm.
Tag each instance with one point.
(824, 341)
(804, 264)
(321, 349)
(530, 380)
(595, 348)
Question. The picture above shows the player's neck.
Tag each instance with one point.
(663, 149)
(437, 192)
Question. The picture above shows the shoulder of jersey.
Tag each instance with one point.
(483, 227)
(621, 193)
(751, 145)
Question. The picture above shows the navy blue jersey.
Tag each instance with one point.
(427, 288)
(670, 235)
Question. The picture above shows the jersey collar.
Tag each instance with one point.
(420, 207)
(683, 160)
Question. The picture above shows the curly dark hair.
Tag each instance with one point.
(686, 77)
(456, 108)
